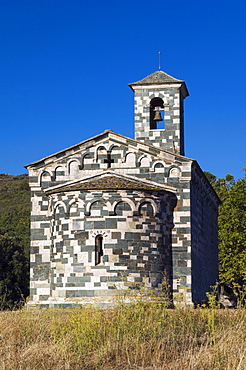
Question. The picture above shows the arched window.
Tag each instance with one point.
(87, 161)
(156, 114)
(146, 209)
(98, 209)
(131, 159)
(159, 167)
(123, 209)
(73, 169)
(74, 210)
(144, 162)
(45, 179)
(59, 173)
(59, 212)
(98, 249)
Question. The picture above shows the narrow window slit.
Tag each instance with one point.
(98, 249)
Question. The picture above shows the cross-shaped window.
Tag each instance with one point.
(109, 160)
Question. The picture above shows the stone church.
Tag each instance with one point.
(113, 213)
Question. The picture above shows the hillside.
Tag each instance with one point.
(14, 195)
(15, 208)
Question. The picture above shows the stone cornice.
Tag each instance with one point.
(109, 180)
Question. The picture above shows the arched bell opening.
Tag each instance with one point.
(98, 249)
(156, 114)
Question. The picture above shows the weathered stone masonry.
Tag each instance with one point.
(113, 210)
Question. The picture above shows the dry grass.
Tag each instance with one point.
(139, 336)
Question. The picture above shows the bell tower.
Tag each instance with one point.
(159, 112)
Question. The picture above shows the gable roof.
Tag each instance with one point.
(109, 180)
(117, 138)
(158, 77)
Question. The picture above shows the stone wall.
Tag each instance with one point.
(136, 244)
(170, 134)
(204, 231)
(145, 231)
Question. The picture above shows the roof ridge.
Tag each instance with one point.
(158, 77)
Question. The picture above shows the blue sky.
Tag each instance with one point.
(65, 66)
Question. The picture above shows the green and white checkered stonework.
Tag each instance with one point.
(172, 92)
(113, 213)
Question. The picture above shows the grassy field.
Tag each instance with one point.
(136, 336)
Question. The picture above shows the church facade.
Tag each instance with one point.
(113, 213)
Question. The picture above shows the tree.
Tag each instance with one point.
(232, 229)
(14, 240)
(14, 269)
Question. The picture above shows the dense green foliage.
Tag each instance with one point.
(232, 229)
(14, 239)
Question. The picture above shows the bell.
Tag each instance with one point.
(157, 116)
